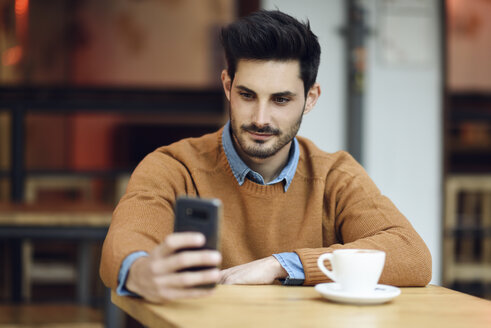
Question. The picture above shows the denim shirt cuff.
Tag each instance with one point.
(123, 273)
(293, 266)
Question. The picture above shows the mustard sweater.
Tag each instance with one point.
(330, 204)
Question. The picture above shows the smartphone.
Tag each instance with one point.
(201, 215)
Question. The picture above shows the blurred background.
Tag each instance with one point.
(88, 87)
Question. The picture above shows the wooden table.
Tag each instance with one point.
(281, 306)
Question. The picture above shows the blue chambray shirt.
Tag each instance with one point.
(289, 260)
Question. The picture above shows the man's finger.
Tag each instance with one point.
(190, 278)
(180, 240)
(183, 260)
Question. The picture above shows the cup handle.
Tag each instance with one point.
(320, 264)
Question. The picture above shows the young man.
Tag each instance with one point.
(285, 201)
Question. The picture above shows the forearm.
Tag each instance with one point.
(408, 260)
(144, 216)
(264, 271)
(116, 248)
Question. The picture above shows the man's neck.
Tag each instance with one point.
(270, 167)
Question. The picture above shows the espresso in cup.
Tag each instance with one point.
(355, 270)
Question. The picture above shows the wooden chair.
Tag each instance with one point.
(467, 227)
(53, 271)
(82, 222)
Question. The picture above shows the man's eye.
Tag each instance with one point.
(246, 95)
(281, 100)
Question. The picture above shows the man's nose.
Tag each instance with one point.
(261, 115)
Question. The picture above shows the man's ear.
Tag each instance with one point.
(227, 83)
(312, 96)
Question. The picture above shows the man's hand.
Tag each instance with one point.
(260, 272)
(156, 277)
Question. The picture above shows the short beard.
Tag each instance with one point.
(257, 150)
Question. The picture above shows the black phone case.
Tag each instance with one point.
(200, 215)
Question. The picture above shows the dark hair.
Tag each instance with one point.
(272, 35)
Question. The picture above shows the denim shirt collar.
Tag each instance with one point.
(241, 171)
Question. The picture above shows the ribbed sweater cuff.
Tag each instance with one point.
(309, 256)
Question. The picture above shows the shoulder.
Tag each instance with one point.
(178, 160)
(193, 146)
(339, 171)
(194, 152)
(316, 162)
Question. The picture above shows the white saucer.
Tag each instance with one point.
(382, 293)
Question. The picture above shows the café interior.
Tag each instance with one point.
(88, 88)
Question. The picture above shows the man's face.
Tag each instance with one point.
(267, 102)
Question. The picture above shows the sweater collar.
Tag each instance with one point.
(241, 171)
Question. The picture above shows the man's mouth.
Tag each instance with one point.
(260, 136)
(261, 133)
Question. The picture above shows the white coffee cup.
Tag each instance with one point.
(355, 270)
